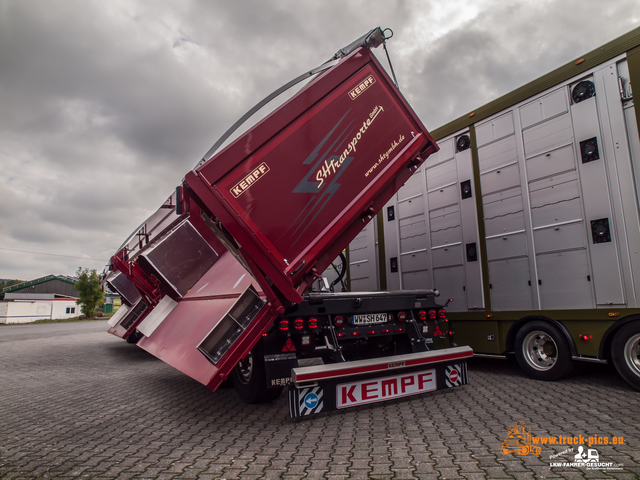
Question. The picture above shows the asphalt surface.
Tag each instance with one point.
(76, 402)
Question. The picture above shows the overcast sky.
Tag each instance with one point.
(104, 106)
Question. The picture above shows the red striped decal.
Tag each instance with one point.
(379, 367)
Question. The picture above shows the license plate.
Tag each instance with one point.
(370, 318)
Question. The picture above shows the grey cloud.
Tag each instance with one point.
(105, 106)
(505, 47)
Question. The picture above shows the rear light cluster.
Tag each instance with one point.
(304, 324)
(358, 333)
(432, 314)
(423, 315)
(298, 324)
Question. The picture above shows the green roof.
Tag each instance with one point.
(48, 278)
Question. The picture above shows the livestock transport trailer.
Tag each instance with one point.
(528, 218)
(215, 283)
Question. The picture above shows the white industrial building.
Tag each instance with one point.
(46, 298)
(30, 307)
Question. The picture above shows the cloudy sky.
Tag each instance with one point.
(104, 106)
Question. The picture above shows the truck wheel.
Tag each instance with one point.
(250, 378)
(542, 351)
(625, 353)
(134, 337)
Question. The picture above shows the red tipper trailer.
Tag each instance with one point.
(222, 268)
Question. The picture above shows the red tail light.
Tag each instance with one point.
(338, 321)
(432, 314)
(422, 315)
(442, 313)
(313, 323)
(298, 324)
(402, 316)
(284, 325)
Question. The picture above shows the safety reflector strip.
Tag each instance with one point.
(455, 375)
(323, 372)
(305, 401)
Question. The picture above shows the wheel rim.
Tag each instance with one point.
(632, 353)
(540, 350)
(245, 368)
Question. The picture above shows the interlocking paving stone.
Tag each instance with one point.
(77, 402)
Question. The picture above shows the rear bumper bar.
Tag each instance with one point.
(324, 388)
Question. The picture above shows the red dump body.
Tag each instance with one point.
(273, 209)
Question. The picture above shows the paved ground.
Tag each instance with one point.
(76, 402)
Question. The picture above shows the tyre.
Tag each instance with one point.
(625, 353)
(250, 378)
(134, 337)
(542, 351)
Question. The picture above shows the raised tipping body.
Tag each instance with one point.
(251, 228)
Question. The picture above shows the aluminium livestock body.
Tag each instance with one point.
(528, 217)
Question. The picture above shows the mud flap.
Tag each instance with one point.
(325, 388)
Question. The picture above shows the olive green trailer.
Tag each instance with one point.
(528, 218)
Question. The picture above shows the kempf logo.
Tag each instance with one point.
(362, 86)
(244, 184)
(377, 389)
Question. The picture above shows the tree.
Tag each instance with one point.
(91, 294)
(9, 283)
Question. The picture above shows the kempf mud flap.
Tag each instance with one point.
(325, 388)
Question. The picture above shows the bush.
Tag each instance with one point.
(91, 294)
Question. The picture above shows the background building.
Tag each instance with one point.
(50, 297)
